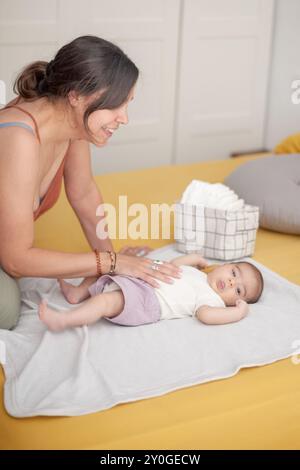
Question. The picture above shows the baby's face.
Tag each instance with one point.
(233, 281)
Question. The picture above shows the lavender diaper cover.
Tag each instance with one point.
(141, 304)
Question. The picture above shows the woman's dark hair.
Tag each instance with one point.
(86, 65)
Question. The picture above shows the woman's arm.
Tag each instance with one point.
(222, 315)
(85, 197)
(85, 210)
(83, 193)
(19, 167)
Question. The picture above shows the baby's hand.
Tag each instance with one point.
(243, 307)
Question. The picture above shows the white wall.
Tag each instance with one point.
(223, 77)
(283, 117)
(146, 30)
(204, 70)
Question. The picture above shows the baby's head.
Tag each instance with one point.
(233, 281)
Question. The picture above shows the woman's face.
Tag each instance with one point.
(104, 123)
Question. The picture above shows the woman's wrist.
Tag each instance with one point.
(106, 262)
(102, 262)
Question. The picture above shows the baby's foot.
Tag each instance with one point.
(73, 294)
(54, 320)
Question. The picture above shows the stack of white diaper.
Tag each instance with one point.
(210, 219)
(212, 195)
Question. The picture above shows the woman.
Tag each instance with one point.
(78, 98)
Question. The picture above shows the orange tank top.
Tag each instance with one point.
(54, 189)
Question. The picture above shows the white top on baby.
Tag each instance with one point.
(187, 294)
(183, 297)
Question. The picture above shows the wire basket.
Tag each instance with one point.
(216, 233)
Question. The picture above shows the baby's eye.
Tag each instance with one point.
(238, 291)
(233, 272)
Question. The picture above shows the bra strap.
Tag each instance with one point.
(30, 115)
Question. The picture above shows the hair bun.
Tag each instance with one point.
(49, 68)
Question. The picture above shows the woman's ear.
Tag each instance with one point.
(74, 98)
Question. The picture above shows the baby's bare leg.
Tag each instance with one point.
(76, 294)
(108, 304)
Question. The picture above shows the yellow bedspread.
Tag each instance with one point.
(259, 408)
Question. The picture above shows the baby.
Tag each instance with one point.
(215, 295)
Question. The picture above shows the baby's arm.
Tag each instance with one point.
(222, 315)
(193, 259)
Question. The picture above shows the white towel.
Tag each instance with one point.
(87, 369)
(215, 196)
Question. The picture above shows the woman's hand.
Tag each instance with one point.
(146, 269)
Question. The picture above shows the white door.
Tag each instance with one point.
(204, 68)
(224, 63)
(147, 31)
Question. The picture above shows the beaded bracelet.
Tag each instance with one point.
(98, 261)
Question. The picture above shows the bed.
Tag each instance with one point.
(259, 408)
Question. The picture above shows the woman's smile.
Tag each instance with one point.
(108, 131)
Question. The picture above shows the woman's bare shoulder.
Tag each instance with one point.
(17, 142)
(19, 159)
(14, 114)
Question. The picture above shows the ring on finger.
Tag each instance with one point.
(154, 266)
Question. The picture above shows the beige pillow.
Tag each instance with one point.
(272, 184)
